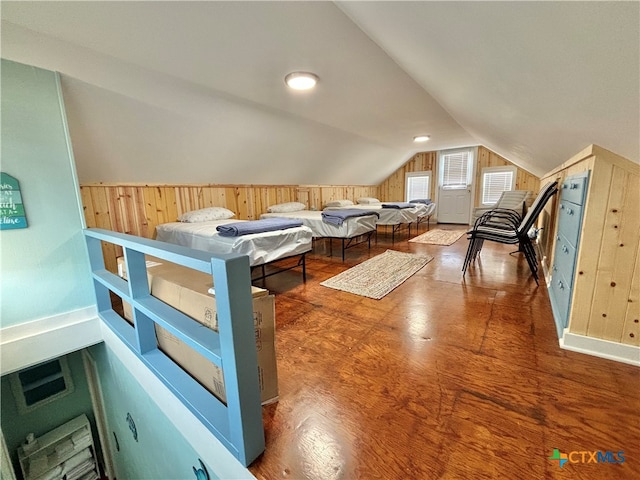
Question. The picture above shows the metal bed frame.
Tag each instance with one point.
(301, 262)
(350, 242)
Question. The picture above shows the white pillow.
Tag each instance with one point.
(368, 200)
(286, 207)
(206, 215)
(339, 203)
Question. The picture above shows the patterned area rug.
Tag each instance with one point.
(376, 277)
(439, 237)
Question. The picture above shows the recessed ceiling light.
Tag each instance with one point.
(421, 138)
(301, 80)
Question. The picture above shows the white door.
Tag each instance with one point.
(455, 177)
(454, 205)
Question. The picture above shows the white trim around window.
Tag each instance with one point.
(496, 180)
(417, 185)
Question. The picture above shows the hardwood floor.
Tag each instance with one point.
(445, 377)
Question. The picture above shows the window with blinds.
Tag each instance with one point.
(496, 180)
(456, 169)
(417, 186)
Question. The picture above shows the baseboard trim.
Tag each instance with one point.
(30, 343)
(597, 347)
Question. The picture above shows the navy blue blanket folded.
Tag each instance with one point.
(426, 201)
(398, 205)
(337, 217)
(236, 229)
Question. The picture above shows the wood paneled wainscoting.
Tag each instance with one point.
(138, 209)
(604, 293)
(393, 188)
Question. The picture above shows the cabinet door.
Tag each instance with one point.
(574, 188)
(564, 258)
(567, 242)
(569, 221)
(560, 298)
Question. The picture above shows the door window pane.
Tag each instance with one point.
(456, 169)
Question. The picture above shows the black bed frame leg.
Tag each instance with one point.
(343, 249)
(304, 268)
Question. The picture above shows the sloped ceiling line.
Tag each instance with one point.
(533, 81)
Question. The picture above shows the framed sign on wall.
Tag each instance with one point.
(11, 207)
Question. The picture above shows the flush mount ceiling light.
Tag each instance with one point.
(421, 138)
(301, 80)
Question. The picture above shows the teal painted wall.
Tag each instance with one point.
(160, 451)
(45, 267)
(16, 426)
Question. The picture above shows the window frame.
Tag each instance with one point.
(424, 173)
(18, 389)
(489, 170)
(471, 152)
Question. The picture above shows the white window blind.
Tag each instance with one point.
(494, 183)
(455, 170)
(417, 186)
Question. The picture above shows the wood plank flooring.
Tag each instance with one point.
(445, 377)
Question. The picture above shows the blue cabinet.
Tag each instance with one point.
(570, 211)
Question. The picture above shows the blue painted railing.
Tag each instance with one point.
(238, 424)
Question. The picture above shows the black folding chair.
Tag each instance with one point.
(507, 226)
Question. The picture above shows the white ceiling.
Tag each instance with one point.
(194, 92)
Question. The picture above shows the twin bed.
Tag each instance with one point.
(262, 248)
(352, 224)
(396, 215)
(352, 231)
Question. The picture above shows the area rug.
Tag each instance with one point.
(376, 277)
(439, 237)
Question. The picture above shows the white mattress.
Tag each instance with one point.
(389, 216)
(351, 227)
(261, 248)
(425, 210)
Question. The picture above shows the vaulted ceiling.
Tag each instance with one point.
(193, 92)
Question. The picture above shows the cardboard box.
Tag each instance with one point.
(187, 290)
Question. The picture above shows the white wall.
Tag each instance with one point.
(131, 124)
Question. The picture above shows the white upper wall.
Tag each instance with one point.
(193, 92)
(533, 81)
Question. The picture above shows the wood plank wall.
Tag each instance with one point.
(138, 209)
(392, 189)
(607, 288)
(486, 158)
